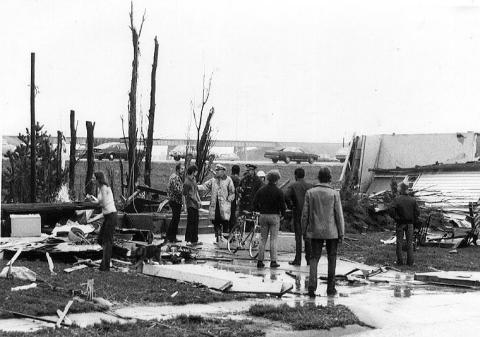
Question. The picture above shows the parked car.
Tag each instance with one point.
(111, 151)
(342, 154)
(178, 152)
(287, 154)
(227, 157)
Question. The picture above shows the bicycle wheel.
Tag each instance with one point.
(234, 240)
(254, 244)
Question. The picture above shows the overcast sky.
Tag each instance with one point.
(282, 70)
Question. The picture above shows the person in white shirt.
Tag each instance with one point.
(109, 212)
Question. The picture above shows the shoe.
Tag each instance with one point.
(274, 264)
(331, 292)
(260, 264)
(308, 263)
(311, 294)
(294, 263)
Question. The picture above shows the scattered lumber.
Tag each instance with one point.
(19, 314)
(69, 270)
(451, 278)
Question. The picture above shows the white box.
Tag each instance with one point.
(26, 225)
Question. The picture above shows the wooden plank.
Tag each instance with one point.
(179, 274)
(27, 208)
(69, 270)
(64, 313)
(66, 320)
(451, 278)
(240, 283)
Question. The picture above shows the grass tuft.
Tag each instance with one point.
(306, 317)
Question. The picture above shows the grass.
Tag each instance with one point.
(183, 326)
(308, 316)
(122, 288)
(369, 250)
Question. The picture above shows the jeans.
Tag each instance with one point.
(191, 233)
(105, 238)
(269, 223)
(297, 224)
(317, 245)
(406, 229)
(173, 226)
(219, 224)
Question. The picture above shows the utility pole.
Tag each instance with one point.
(33, 131)
(73, 148)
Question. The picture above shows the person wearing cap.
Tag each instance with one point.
(249, 185)
(222, 194)
(175, 200)
(295, 197)
(261, 175)
(405, 212)
(322, 222)
(270, 202)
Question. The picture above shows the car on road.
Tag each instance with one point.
(288, 154)
(178, 152)
(111, 151)
(342, 154)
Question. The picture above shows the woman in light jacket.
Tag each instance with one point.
(222, 194)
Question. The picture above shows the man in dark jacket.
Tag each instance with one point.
(236, 182)
(249, 185)
(405, 212)
(270, 202)
(295, 197)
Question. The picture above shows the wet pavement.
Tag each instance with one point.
(391, 302)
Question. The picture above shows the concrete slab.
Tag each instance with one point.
(452, 278)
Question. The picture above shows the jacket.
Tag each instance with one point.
(190, 191)
(405, 209)
(322, 215)
(224, 190)
(295, 196)
(269, 200)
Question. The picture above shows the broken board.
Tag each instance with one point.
(213, 278)
(181, 273)
(469, 279)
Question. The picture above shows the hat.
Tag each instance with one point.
(251, 167)
(220, 167)
(261, 174)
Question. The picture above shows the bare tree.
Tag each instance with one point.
(203, 133)
(151, 118)
(73, 147)
(133, 162)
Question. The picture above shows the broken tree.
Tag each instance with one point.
(133, 162)
(151, 119)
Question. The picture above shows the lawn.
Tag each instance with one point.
(369, 250)
(307, 317)
(117, 287)
(182, 326)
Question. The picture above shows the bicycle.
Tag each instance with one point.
(239, 237)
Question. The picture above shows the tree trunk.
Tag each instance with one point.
(59, 159)
(33, 132)
(151, 118)
(89, 188)
(132, 116)
(73, 148)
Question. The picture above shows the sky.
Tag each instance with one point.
(313, 71)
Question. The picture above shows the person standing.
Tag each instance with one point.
(175, 196)
(236, 182)
(406, 214)
(295, 198)
(109, 213)
(270, 202)
(261, 176)
(222, 194)
(322, 221)
(249, 185)
(192, 204)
